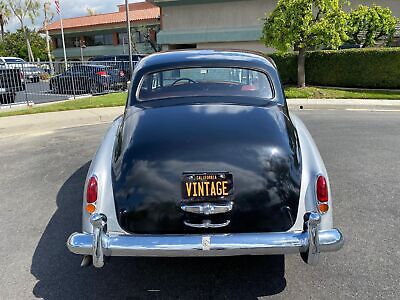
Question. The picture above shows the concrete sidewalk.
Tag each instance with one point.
(48, 122)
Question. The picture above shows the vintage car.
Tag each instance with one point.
(206, 161)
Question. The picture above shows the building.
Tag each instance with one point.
(223, 23)
(212, 24)
(394, 5)
(105, 34)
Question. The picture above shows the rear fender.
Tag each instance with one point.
(101, 168)
(313, 166)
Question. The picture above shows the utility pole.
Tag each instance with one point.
(128, 29)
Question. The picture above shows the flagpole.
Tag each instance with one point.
(128, 31)
(58, 6)
(63, 42)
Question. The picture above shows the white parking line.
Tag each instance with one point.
(373, 109)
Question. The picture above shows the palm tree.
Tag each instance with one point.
(5, 14)
(22, 10)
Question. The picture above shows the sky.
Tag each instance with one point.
(73, 8)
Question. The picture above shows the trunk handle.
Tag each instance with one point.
(207, 224)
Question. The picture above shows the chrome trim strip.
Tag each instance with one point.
(207, 224)
(207, 208)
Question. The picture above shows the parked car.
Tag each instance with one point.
(85, 78)
(11, 62)
(31, 72)
(119, 61)
(206, 160)
(10, 84)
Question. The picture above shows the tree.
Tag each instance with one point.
(368, 24)
(48, 17)
(5, 14)
(303, 25)
(14, 44)
(90, 11)
(23, 9)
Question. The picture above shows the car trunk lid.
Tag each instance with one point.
(256, 148)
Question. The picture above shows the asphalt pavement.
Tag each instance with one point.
(41, 190)
(39, 92)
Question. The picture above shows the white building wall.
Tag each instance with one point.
(254, 46)
(394, 5)
(216, 15)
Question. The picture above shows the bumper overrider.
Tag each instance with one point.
(308, 243)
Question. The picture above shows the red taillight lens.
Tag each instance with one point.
(91, 192)
(121, 73)
(102, 73)
(21, 75)
(322, 189)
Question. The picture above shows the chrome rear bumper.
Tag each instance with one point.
(310, 242)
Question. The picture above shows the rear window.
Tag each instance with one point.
(14, 60)
(193, 82)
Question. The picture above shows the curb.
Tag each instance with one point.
(365, 104)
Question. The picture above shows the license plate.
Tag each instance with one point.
(208, 186)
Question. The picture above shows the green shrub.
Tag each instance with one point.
(359, 68)
(287, 66)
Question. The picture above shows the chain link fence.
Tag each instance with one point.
(35, 83)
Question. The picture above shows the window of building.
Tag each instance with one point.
(137, 37)
(122, 38)
(99, 39)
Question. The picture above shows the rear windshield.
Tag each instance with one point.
(14, 60)
(192, 82)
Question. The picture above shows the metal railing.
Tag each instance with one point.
(34, 83)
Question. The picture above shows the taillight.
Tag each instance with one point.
(91, 195)
(91, 192)
(322, 194)
(121, 73)
(102, 73)
(21, 75)
(322, 189)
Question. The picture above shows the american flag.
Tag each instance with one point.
(58, 7)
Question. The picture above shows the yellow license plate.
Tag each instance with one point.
(209, 186)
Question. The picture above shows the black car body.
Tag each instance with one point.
(182, 129)
(11, 82)
(86, 78)
(206, 161)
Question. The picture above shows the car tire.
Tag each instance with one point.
(96, 89)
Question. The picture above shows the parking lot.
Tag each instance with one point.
(39, 92)
(41, 188)
(81, 79)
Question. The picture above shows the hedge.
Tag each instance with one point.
(358, 68)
